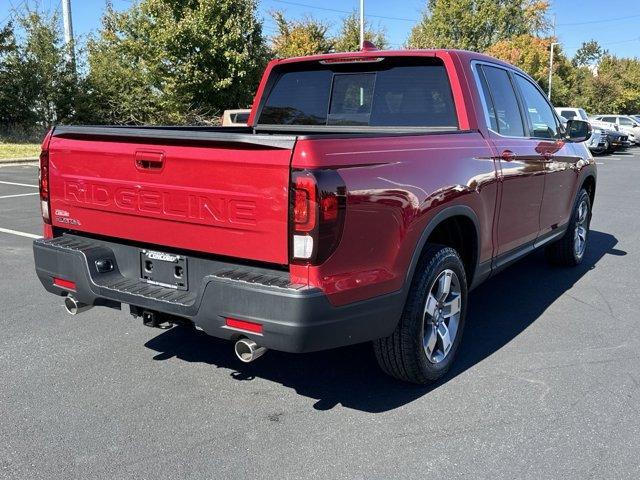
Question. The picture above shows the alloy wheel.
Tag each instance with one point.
(441, 316)
(580, 232)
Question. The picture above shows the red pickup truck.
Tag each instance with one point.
(368, 194)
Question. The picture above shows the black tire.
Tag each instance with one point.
(564, 252)
(403, 355)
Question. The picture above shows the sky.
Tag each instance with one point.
(615, 24)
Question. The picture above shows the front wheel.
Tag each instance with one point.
(425, 341)
(569, 250)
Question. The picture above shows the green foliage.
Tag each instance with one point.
(173, 62)
(589, 53)
(593, 79)
(38, 86)
(13, 103)
(296, 38)
(348, 40)
(618, 81)
(184, 61)
(531, 54)
(477, 24)
(49, 76)
(527, 52)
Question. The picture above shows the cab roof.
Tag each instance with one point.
(373, 53)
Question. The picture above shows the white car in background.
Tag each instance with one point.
(599, 141)
(616, 137)
(579, 113)
(625, 123)
(235, 118)
(570, 112)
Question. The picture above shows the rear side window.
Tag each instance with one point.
(384, 94)
(542, 121)
(505, 104)
(491, 111)
(568, 114)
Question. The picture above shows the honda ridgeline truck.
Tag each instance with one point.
(368, 194)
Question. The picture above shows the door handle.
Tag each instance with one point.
(149, 161)
(507, 156)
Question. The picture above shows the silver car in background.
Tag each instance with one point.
(626, 123)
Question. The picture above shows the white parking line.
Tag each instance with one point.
(19, 195)
(20, 234)
(19, 184)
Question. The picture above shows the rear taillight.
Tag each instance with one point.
(305, 202)
(43, 179)
(318, 200)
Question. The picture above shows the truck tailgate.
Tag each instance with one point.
(220, 194)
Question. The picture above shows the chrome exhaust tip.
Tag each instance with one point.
(248, 350)
(75, 307)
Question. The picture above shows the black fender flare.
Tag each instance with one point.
(444, 214)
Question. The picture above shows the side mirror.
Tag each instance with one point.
(577, 131)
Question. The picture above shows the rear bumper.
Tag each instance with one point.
(295, 318)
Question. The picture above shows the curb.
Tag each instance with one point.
(15, 161)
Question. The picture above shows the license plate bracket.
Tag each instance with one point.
(164, 269)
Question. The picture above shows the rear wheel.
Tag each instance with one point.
(569, 250)
(425, 341)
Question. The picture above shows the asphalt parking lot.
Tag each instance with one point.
(546, 384)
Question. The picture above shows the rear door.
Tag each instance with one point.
(558, 157)
(521, 173)
(223, 196)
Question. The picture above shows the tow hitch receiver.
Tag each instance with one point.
(154, 320)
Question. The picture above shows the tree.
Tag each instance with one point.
(619, 80)
(348, 40)
(531, 54)
(49, 78)
(588, 54)
(527, 52)
(174, 62)
(296, 38)
(14, 107)
(38, 86)
(477, 24)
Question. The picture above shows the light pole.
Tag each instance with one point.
(68, 31)
(361, 23)
(553, 44)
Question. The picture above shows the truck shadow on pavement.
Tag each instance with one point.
(350, 376)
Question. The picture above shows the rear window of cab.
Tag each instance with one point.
(388, 92)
